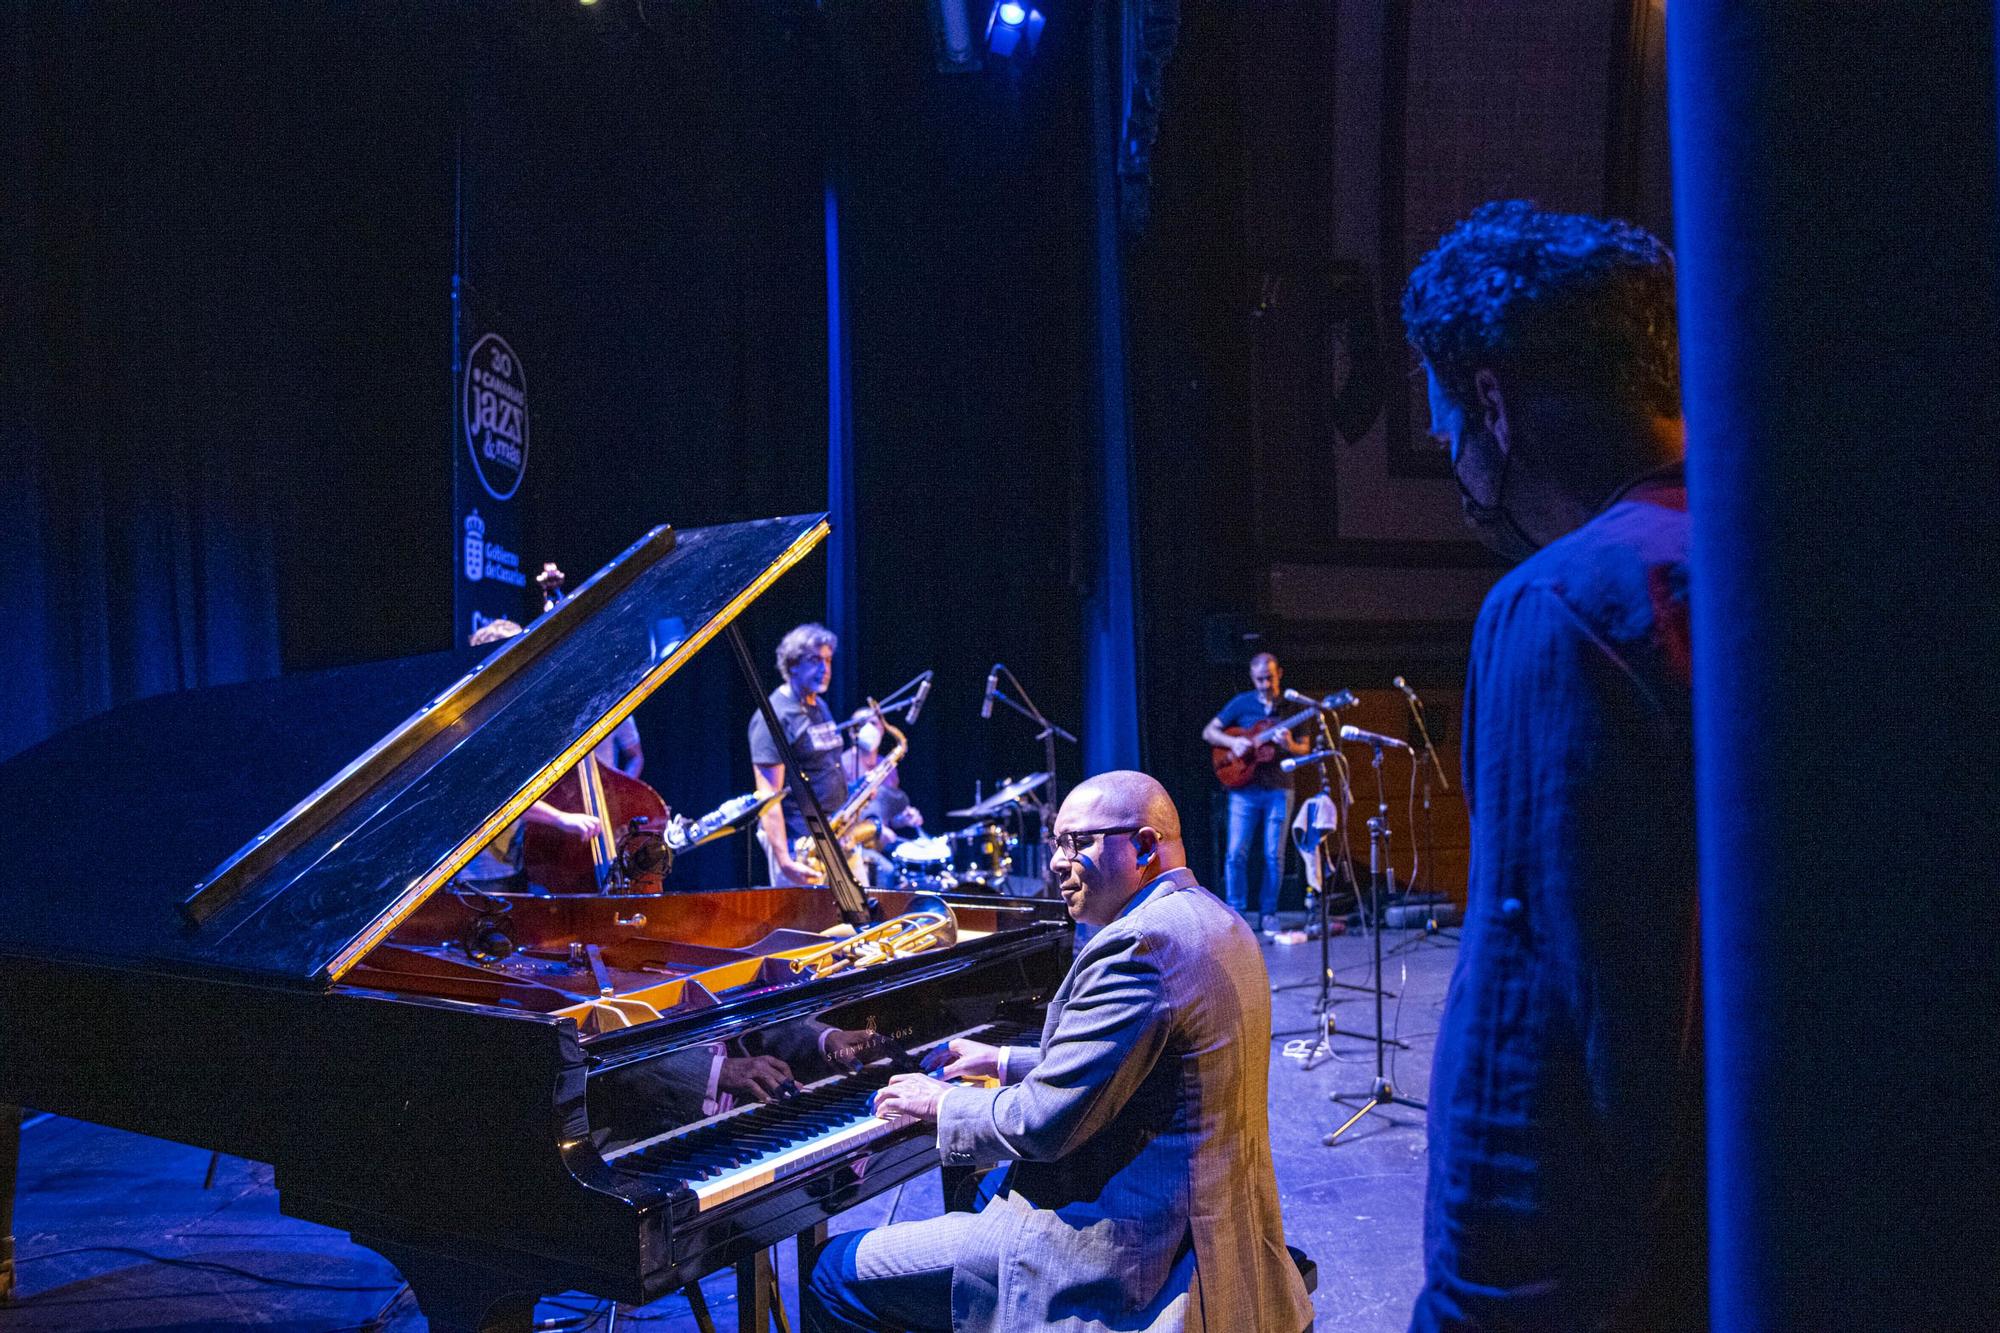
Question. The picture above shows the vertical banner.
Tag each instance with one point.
(489, 463)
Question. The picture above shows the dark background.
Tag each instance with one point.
(225, 431)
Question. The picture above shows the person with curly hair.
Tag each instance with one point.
(805, 661)
(1566, 1176)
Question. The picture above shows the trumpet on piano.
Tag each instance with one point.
(930, 925)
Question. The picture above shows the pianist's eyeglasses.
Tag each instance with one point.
(1079, 840)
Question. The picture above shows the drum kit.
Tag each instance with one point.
(980, 856)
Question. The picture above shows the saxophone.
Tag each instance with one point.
(846, 824)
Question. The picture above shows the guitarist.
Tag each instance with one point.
(1262, 809)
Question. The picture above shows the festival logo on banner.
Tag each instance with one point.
(495, 413)
(490, 461)
(475, 547)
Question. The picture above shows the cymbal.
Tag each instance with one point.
(1002, 797)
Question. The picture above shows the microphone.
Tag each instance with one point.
(1299, 761)
(917, 704)
(1424, 734)
(1333, 703)
(1374, 738)
(992, 688)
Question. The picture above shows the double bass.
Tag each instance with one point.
(629, 853)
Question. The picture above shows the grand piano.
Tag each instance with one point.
(233, 918)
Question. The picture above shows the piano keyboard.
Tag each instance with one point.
(747, 1148)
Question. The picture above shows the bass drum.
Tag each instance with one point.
(983, 855)
(923, 865)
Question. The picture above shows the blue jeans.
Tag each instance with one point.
(894, 1277)
(1255, 812)
(849, 1292)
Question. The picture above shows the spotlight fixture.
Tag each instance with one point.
(1013, 29)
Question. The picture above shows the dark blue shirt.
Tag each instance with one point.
(1246, 710)
(815, 741)
(1566, 1152)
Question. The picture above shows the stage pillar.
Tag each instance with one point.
(1835, 203)
(1112, 681)
(843, 585)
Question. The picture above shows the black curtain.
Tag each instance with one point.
(226, 416)
(225, 441)
(173, 337)
(965, 211)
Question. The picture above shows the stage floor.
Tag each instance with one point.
(116, 1232)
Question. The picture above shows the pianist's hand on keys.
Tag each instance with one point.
(962, 1057)
(740, 1151)
(910, 1097)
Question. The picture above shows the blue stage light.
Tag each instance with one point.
(1013, 29)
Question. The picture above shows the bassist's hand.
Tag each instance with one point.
(575, 821)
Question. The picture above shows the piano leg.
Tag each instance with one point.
(10, 1161)
(755, 1281)
(459, 1297)
(810, 1243)
(698, 1306)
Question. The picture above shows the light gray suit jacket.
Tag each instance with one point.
(1144, 1196)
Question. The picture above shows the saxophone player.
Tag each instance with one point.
(891, 810)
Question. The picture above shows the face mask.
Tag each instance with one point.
(1492, 524)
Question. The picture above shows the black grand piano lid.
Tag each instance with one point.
(125, 839)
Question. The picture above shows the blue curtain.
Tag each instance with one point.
(843, 586)
(128, 571)
(136, 537)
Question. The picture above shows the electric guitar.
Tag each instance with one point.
(1234, 772)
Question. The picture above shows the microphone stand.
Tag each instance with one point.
(1343, 798)
(1436, 766)
(1045, 807)
(894, 703)
(1381, 1093)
